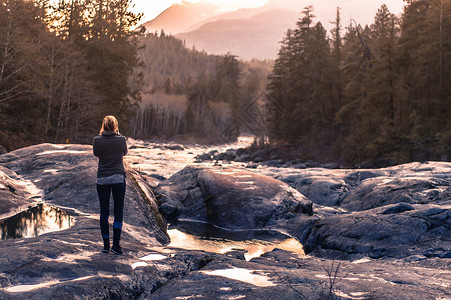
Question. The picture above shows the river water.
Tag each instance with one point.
(35, 221)
(160, 161)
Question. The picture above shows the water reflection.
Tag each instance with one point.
(244, 275)
(209, 231)
(200, 236)
(34, 222)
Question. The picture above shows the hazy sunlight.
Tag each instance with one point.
(151, 9)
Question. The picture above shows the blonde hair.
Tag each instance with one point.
(109, 123)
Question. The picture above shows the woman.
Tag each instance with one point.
(110, 147)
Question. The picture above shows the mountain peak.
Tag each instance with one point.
(180, 17)
(246, 32)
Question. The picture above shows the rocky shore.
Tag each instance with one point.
(367, 234)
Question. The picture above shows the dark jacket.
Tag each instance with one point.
(109, 147)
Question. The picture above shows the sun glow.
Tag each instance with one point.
(152, 9)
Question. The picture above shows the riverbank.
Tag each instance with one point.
(379, 234)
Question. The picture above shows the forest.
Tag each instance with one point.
(64, 66)
(190, 94)
(371, 96)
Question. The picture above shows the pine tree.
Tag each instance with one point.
(228, 82)
(302, 86)
(379, 114)
(424, 28)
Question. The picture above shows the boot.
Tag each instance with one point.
(106, 245)
(116, 249)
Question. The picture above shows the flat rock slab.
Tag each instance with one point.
(282, 275)
(65, 176)
(15, 194)
(381, 191)
(392, 249)
(232, 199)
(329, 187)
(69, 262)
(399, 231)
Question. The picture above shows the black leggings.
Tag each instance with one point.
(104, 192)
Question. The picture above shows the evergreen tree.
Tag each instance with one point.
(280, 108)
(423, 62)
(302, 85)
(387, 95)
(228, 82)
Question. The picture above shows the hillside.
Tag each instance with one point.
(255, 32)
(191, 93)
(180, 17)
(167, 61)
(253, 37)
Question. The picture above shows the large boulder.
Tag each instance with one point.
(65, 176)
(381, 191)
(328, 191)
(69, 263)
(400, 211)
(411, 238)
(233, 199)
(322, 186)
(397, 230)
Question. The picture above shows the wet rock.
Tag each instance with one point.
(322, 190)
(392, 249)
(15, 195)
(203, 157)
(174, 147)
(281, 275)
(232, 199)
(380, 191)
(399, 230)
(230, 154)
(70, 261)
(398, 208)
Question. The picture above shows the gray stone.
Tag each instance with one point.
(396, 248)
(174, 147)
(290, 277)
(322, 190)
(398, 208)
(15, 195)
(232, 199)
(397, 231)
(380, 191)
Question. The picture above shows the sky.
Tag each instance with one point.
(152, 8)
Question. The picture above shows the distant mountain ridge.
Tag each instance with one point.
(254, 32)
(181, 17)
(254, 37)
